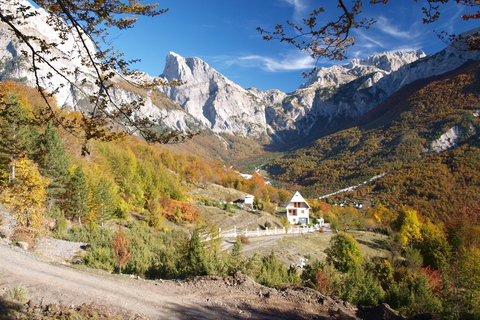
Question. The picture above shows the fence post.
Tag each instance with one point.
(258, 232)
(246, 232)
(284, 230)
(275, 230)
(266, 231)
(291, 229)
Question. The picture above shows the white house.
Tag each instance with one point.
(249, 200)
(298, 210)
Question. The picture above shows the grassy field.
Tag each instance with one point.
(289, 248)
(292, 248)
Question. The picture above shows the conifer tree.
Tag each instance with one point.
(16, 137)
(78, 195)
(195, 259)
(104, 205)
(55, 163)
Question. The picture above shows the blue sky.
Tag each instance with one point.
(222, 33)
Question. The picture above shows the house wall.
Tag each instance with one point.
(295, 212)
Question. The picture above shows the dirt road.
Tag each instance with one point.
(236, 297)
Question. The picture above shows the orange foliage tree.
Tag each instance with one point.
(121, 245)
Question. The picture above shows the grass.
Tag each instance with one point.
(290, 249)
(18, 293)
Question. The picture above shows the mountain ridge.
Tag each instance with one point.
(210, 102)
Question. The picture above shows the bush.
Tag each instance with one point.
(244, 239)
(18, 293)
(100, 257)
(362, 288)
(55, 213)
(412, 295)
(60, 228)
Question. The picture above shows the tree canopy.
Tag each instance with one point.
(86, 24)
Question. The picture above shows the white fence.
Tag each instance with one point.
(234, 232)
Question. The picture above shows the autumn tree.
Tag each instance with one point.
(87, 24)
(434, 246)
(344, 253)
(26, 195)
(121, 245)
(409, 227)
(331, 38)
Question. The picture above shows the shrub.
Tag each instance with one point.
(362, 287)
(60, 228)
(22, 234)
(18, 293)
(100, 257)
(412, 295)
(244, 239)
(55, 213)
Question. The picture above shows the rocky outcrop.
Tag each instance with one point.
(74, 80)
(210, 97)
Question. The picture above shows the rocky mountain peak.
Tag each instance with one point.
(385, 63)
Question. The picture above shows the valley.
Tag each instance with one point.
(115, 189)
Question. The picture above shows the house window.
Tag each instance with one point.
(303, 211)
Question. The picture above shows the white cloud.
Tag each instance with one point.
(299, 8)
(386, 26)
(290, 63)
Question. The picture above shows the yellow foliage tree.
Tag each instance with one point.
(26, 196)
(410, 228)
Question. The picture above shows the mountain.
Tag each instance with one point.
(425, 137)
(225, 107)
(330, 98)
(212, 103)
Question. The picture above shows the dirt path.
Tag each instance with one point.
(213, 298)
(62, 285)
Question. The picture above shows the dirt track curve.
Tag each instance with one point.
(236, 297)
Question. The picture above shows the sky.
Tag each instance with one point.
(223, 34)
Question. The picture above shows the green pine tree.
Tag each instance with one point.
(104, 201)
(17, 136)
(78, 195)
(195, 259)
(54, 164)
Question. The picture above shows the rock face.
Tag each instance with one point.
(77, 81)
(208, 96)
(209, 101)
(331, 97)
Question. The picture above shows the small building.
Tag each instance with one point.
(249, 200)
(298, 210)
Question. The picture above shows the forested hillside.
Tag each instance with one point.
(131, 203)
(126, 173)
(397, 136)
